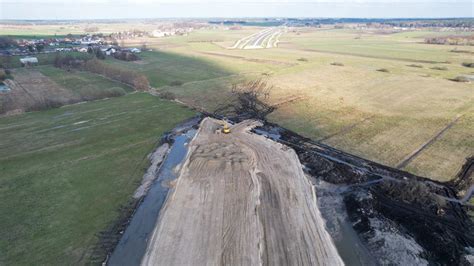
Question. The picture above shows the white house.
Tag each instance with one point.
(29, 61)
(82, 50)
(110, 51)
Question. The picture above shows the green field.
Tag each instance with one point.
(66, 171)
(82, 83)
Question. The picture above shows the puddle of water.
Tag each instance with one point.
(348, 244)
(132, 246)
(273, 133)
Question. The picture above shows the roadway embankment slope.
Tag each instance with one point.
(240, 199)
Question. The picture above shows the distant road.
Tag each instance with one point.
(267, 38)
(240, 199)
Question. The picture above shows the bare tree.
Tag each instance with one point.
(251, 99)
(141, 83)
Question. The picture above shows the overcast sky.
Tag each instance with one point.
(108, 9)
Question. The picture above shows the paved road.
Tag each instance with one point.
(240, 199)
(266, 38)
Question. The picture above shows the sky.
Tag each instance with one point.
(108, 9)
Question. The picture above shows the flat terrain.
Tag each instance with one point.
(66, 171)
(240, 199)
(81, 83)
(45, 86)
(381, 116)
(345, 101)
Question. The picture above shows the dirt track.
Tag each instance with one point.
(240, 199)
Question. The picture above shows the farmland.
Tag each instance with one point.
(379, 96)
(382, 116)
(66, 171)
(46, 86)
(81, 82)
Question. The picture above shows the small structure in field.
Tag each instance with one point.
(28, 61)
(82, 49)
(135, 50)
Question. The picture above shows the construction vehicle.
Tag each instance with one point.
(225, 128)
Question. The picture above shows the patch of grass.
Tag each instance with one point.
(447, 155)
(163, 68)
(302, 59)
(66, 171)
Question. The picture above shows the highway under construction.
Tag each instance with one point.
(240, 199)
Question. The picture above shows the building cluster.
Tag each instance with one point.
(170, 32)
(67, 44)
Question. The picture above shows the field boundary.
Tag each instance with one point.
(405, 161)
(346, 129)
(364, 56)
(248, 59)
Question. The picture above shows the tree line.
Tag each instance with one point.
(136, 80)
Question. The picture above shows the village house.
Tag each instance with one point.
(28, 61)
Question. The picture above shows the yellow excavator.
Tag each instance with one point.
(225, 128)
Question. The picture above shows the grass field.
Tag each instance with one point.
(65, 172)
(80, 82)
(376, 115)
(44, 86)
(43, 59)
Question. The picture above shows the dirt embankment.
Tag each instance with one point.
(240, 199)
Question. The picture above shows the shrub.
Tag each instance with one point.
(3, 75)
(302, 59)
(126, 56)
(460, 79)
(176, 83)
(383, 70)
(337, 64)
(414, 65)
(167, 95)
(461, 51)
(439, 68)
(468, 64)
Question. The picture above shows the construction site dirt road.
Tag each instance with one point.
(240, 199)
